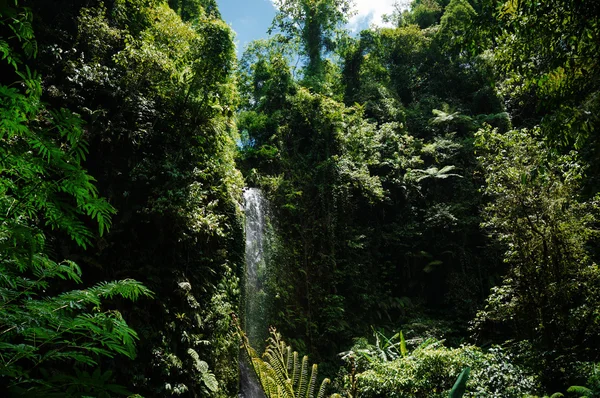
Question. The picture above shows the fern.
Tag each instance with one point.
(280, 372)
(433, 172)
(207, 377)
(44, 184)
(583, 392)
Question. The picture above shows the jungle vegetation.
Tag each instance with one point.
(434, 189)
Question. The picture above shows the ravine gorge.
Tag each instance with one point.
(408, 210)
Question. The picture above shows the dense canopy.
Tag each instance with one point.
(433, 190)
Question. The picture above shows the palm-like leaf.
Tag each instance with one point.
(458, 390)
(434, 172)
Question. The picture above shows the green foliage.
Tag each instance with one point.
(560, 90)
(44, 188)
(583, 392)
(455, 23)
(385, 349)
(195, 9)
(372, 215)
(313, 24)
(155, 88)
(42, 332)
(433, 172)
(591, 388)
(425, 13)
(39, 142)
(549, 294)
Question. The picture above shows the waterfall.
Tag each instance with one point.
(255, 208)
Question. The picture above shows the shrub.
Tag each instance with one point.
(431, 369)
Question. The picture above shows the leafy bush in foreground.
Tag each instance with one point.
(431, 370)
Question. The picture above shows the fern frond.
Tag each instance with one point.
(127, 288)
(313, 382)
(289, 359)
(304, 378)
(279, 372)
(323, 388)
(296, 375)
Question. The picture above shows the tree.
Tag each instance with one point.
(546, 58)
(455, 25)
(313, 23)
(158, 96)
(550, 293)
(190, 10)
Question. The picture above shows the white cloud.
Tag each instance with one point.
(370, 12)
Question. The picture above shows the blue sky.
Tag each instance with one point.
(251, 18)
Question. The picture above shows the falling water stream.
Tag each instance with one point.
(254, 298)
